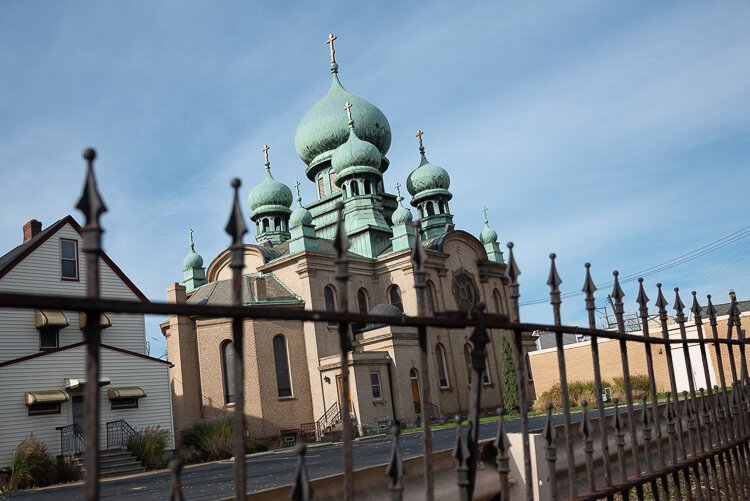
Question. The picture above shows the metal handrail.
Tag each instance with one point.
(120, 433)
(330, 416)
(72, 439)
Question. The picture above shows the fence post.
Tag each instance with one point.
(92, 207)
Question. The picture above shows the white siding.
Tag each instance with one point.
(39, 273)
(49, 373)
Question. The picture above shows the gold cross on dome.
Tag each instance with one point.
(419, 136)
(348, 109)
(331, 38)
(265, 153)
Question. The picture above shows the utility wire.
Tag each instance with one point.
(658, 268)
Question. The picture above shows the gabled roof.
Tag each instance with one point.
(723, 309)
(18, 254)
(76, 345)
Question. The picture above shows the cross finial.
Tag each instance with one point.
(348, 109)
(192, 244)
(329, 42)
(265, 156)
(398, 190)
(486, 219)
(296, 186)
(419, 138)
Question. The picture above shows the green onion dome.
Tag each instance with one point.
(356, 157)
(488, 235)
(323, 128)
(193, 259)
(428, 180)
(270, 195)
(300, 216)
(401, 215)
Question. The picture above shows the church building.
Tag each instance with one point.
(292, 369)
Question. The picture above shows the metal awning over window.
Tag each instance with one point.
(73, 383)
(104, 320)
(46, 397)
(126, 392)
(51, 318)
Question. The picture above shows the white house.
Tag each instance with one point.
(42, 361)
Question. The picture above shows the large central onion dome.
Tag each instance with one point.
(323, 128)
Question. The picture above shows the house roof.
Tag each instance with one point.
(220, 292)
(76, 345)
(18, 254)
(723, 309)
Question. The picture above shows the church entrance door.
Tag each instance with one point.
(414, 379)
(340, 387)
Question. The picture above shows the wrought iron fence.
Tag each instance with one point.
(704, 454)
(120, 434)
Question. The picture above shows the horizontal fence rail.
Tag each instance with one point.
(690, 445)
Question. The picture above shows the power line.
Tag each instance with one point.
(658, 268)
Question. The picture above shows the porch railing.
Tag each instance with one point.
(72, 440)
(331, 416)
(120, 434)
(707, 436)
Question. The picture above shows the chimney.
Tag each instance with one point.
(31, 229)
(732, 295)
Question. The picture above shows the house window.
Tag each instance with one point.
(375, 384)
(441, 366)
(362, 300)
(68, 259)
(49, 338)
(281, 360)
(486, 374)
(329, 295)
(464, 292)
(394, 296)
(44, 408)
(227, 368)
(467, 359)
(124, 403)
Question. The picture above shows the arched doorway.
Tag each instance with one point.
(414, 379)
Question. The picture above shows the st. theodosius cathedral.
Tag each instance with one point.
(292, 369)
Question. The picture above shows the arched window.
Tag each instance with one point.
(464, 292)
(321, 186)
(265, 225)
(329, 294)
(277, 224)
(486, 374)
(394, 297)
(442, 364)
(281, 360)
(226, 351)
(496, 300)
(367, 187)
(467, 359)
(430, 291)
(355, 188)
(332, 179)
(430, 209)
(362, 300)
(442, 207)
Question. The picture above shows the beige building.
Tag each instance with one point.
(293, 369)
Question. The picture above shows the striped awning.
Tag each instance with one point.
(45, 397)
(126, 392)
(51, 318)
(104, 320)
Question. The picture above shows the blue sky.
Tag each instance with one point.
(611, 132)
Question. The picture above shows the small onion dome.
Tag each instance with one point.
(300, 216)
(488, 235)
(323, 129)
(428, 180)
(356, 156)
(401, 215)
(270, 195)
(193, 259)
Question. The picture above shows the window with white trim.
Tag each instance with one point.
(68, 259)
(377, 393)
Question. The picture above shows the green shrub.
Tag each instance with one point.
(638, 385)
(578, 391)
(149, 446)
(510, 377)
(212, 441)
(32, 465)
